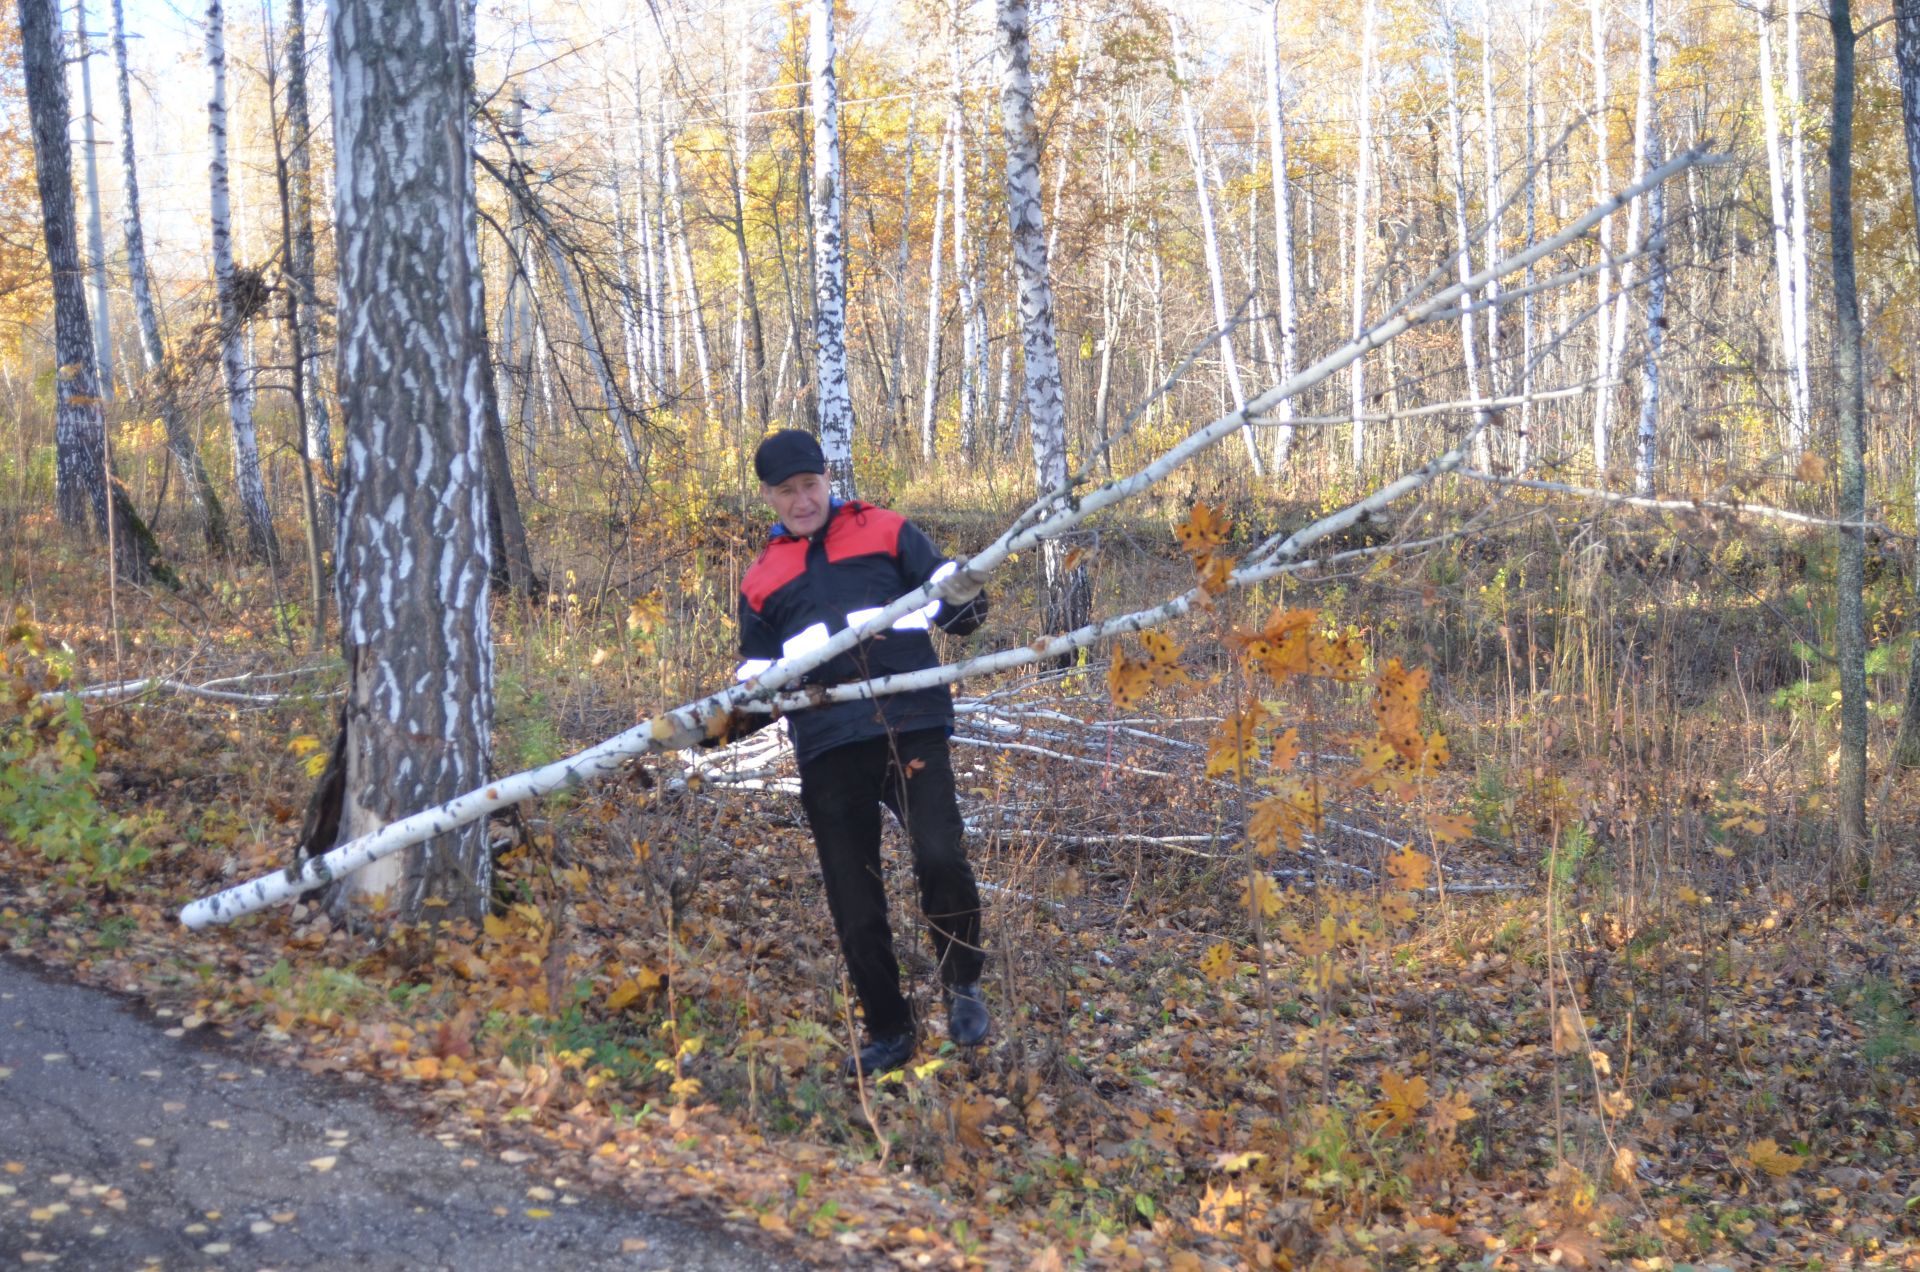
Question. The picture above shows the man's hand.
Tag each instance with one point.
(962, 587)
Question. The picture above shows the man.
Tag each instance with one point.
(830, 564)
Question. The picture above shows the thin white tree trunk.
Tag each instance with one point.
(1643, 142)
(1802, 350)
(1282, 228)
(696, 308)
(1357, 278)
(96, 237)
(1463, 241)
(590, 345)
(972, 382)
(1603, 278)
(829, 256)
(1491, 203)
(1782, 235)
(246, 446)
(180, 439)
(1529, 414)
(624, 234)
(930, 380)
(1210, 240)
(1656, 327)
(300, 196)
(897, 331)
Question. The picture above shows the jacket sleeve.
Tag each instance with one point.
(919, 560)
(758, 641)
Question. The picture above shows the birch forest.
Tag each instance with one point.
(1441, 761)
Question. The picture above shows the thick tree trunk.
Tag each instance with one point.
(413, 532)
(1849, 390)
(835, 402)
(233, 317)
(81, 477)
(186, 453)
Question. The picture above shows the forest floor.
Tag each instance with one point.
(1582, 1003)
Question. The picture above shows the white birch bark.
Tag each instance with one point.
(696, 308)
(1491, 203)
(897, 329)
(972, 381)
(1656, 326)
(1209, 239)
(246, 446)
(1603, 280)
(96, 237)
(180, 441)
(930, 378)
(1785, 256)
(1529, 414)
(1801, 351)
(1282, 227)
(685, 725)
(829, 256)
(1463, 243)
(625, 234)
(413, 535)
(1362, 230)
(1642, 157)
(300, 196)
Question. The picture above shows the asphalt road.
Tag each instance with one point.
(121, 1147)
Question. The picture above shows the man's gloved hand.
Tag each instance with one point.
(737, 726)
(962, 588)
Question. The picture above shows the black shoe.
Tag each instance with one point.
(882, 1055)
(967, 1021)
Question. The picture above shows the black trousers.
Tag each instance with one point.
(842, 791)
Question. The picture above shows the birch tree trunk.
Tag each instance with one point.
(233, 321)
(897, 331)
(1603, 369)
(1784, 281)
(835, 402)
(1906, 751)
(1849, 392)
(81, 479)
(1491, 203)
(696, 309)
(1643, 134)
(930, 380)
(1069, 601)
(1656, 337)
(413, 533)
(1357, 281)
(1210, 242)
(96, 237)
(180, 442)
(1282, 230)
(1463, 242)
(1529, 413)
(753, 376)
(300, 188)
(972, 381)
(1802, 350)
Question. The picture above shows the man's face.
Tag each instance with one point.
(801, 502)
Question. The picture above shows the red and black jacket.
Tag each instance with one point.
(803, 591)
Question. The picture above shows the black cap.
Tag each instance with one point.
(787, 452)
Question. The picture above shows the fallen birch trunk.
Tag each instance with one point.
(1055, 511)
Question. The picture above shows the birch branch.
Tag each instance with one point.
(1676, 505)
(1053, 512)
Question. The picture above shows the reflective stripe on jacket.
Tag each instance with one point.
(803, 591)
